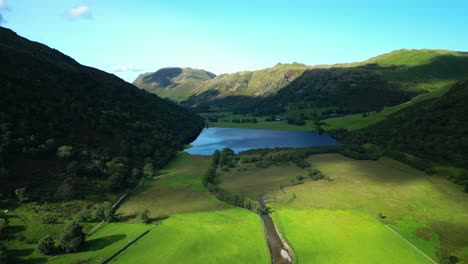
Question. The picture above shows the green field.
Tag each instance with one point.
(103, 243)
(228, 236)
(427, 210)
(199, 228)
(257, 181)
(225, 120)
(178, 189)
(337, 236)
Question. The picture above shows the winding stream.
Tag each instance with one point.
(280, 251)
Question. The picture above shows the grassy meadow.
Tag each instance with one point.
(199, 228)
(178, 189)
(228, 236)
(427, 210)
(337, 236)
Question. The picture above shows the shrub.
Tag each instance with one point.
(49, 219)
(143, 216)
(21, 195)
(263, 164)
(300, 177)
(46, 245)
(72, 238)
(301, 163)
(64, 152)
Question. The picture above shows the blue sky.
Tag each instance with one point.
(129, 37)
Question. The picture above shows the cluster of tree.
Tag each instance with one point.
(361, 152)
(72, 239)
(298, 121)
(96, 213)
(244, 120)
(78, 130)
(263, 158)
(227, 159)
(316, 175)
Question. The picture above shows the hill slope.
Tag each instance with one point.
(435, 129)
(385, 80)
(173, 83)
(69, 130)
(247, 83)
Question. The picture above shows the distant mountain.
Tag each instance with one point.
(247, 83)
(67, 130)
(173, 83)
(436, 129)
(385, 80)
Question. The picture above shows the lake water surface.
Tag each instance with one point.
(239, 139)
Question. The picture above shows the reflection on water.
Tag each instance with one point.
(239, 139)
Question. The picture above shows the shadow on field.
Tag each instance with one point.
(14, 256)
(103, 242)
(16, 229)
(159, 218)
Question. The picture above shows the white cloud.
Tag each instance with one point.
(78, 12)
(123, 68)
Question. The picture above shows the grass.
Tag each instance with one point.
(257, 181)
(178, 189)
(225, 120)
(200, 229)
(338, 236)
(427, 210)
(228, 236)
(105, 242)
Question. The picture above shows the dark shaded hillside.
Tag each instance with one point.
(68, 130)
(352, 90)
(436, 130)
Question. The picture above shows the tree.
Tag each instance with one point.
(466, 188)
(3, 254)
(254, 120)
(72, 238)
(64, 152)
(443, 256)
(118, 172)
(144, 216)
(46, 245)
(148, 170)
(103, 211)
(21, 195)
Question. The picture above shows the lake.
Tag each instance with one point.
(240, 139)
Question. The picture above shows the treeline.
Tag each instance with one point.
(67, 130)
(226, 159)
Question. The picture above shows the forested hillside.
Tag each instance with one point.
(436, 129)
(68, 130)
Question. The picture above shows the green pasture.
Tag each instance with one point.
(178, 189)
(338, 236)
(228, 236)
